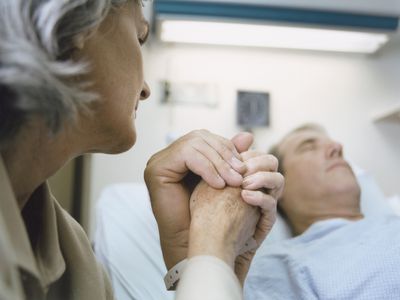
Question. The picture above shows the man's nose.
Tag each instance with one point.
(145, 93)
(334, 149)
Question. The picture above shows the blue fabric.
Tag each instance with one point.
(333, 259)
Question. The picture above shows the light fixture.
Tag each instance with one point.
(274, 36)
(244, 24)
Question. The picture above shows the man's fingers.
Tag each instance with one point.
(268, 204)
(264, 226)
(256, 162)
(256, 198)
(272, 181)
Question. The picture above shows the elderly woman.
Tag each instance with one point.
(71, 77)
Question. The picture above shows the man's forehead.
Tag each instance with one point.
(291, 141)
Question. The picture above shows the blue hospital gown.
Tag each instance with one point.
(333, 259)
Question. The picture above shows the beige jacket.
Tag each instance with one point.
(45, 254)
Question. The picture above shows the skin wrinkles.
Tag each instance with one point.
(319, 182)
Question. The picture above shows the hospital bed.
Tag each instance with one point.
(127, 242)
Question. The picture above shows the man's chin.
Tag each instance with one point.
(347, 185)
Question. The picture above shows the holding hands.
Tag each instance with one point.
(235, 200)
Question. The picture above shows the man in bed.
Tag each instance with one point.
(336, 253)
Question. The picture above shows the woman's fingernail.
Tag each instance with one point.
(248, 180)
(235, 162)
(236, 174)
(220, 179)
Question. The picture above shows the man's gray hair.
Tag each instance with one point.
(37, 38)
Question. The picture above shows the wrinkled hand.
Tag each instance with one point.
(221, 222)
(213, 158)
(263, 186)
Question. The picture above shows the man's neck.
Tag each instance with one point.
(300, 226)
(345, 205)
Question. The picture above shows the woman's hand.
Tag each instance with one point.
(213, 158)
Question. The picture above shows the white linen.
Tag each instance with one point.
(333, 259)
(127, 243)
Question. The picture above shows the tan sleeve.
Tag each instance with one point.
(109, 292)
(208, 277)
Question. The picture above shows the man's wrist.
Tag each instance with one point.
(206, 243)
(174, 274)
(173, 255)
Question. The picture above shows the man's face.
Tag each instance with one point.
(316, 177)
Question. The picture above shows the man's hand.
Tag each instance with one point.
(221, 222)
(209, 156)
(263, 186)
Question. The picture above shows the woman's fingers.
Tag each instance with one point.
(211, 166)
(201, 165)
(214, 158)
(243, 141)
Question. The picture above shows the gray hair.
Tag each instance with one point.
(275, 151)
(36, 69)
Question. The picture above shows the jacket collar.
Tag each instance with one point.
(45, 261)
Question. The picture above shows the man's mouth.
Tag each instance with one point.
(340, 164)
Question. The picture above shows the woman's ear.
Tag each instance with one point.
(79, 41)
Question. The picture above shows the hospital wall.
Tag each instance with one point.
(340, 91)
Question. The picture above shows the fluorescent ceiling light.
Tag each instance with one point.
(235, 34)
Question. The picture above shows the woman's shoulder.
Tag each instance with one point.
(79, 256)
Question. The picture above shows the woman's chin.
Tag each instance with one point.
(124, 145)
(117, 144)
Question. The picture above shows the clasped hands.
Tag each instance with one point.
(235, 199)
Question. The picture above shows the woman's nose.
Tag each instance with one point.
(145, 93)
